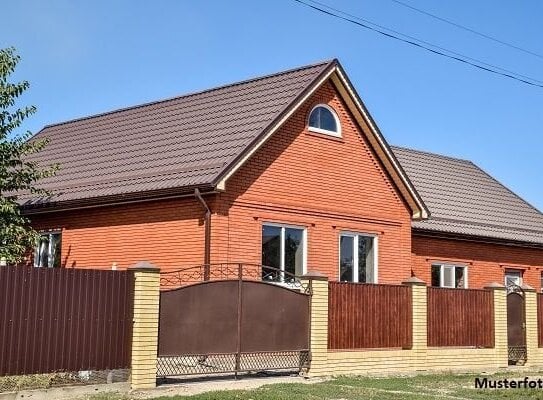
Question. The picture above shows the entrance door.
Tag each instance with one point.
(516, 335)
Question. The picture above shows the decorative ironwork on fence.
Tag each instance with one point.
(54, 320)
(227, 271)
(363, 316)
(460, 317)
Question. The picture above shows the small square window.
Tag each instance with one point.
(449, 276)
(357, 258)
(513, 277)
(283, 249)
(48, 250)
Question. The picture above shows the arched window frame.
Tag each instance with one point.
(325, 131)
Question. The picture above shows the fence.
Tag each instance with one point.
(368, 316)
(54, 319)
(460, 317)
(74, 320)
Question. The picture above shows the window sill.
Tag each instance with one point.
(321, 135)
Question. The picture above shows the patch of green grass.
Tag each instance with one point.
(420, 387)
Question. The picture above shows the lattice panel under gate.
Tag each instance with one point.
(228, 363)
(518, 355)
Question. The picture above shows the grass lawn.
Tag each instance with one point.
(426, 387)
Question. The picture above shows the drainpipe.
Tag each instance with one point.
(207, 240)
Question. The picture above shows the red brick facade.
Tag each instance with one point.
(486, 262)
(324, 184)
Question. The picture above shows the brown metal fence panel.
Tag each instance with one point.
(64, 320)
(460, 317)
(540, 319)
(369, 316)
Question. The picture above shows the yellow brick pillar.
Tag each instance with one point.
(530, 306)
(318, 338)
(500, 324)
(145, 328)
(419, 304)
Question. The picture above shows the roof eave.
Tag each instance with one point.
(473, 238)
(115, 200)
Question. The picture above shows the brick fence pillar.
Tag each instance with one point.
(419, 304)
(530, 306)
(318, 340)
(500, 323)
(145, 328)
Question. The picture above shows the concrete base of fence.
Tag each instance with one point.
(69, 392)
(417, 359)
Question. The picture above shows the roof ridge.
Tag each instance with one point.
(189, 94)
(432, 154)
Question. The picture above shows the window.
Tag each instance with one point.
(47, 252)
(323, 119)
(284, 248)
(357, 258)
(449, 276)
(513, 277)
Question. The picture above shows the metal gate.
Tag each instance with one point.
(516, 325)
(225, 318)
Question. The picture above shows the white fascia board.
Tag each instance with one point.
(222, 183)
(416, 214)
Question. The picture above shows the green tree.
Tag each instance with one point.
(18, 173)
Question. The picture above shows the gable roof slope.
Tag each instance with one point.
(463, 199)
(177, 143)
(171, 147)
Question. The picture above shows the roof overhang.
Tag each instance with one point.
(45, 207)
(434, 234)
(383, 151)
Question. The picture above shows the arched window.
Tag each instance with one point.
(323, 119)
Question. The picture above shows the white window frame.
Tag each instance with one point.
(355, 236)
(282, 243)
(325, 131)
(49, 250)
(442, 274)
(513, 272)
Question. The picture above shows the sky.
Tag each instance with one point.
(83, 58)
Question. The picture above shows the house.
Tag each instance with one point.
(287, 170)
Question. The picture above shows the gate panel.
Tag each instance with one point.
(516, 336)
(230, 326)
(273, 318)
(199, 319)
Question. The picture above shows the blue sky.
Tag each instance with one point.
(83, 58)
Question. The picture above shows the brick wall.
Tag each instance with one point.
(325, 184)
(170, 234)
(486, 262)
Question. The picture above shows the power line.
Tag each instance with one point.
(468, 29)
(427, 43)
(413, 41)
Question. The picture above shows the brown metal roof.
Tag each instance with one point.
(463, 199)
(165, 146)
